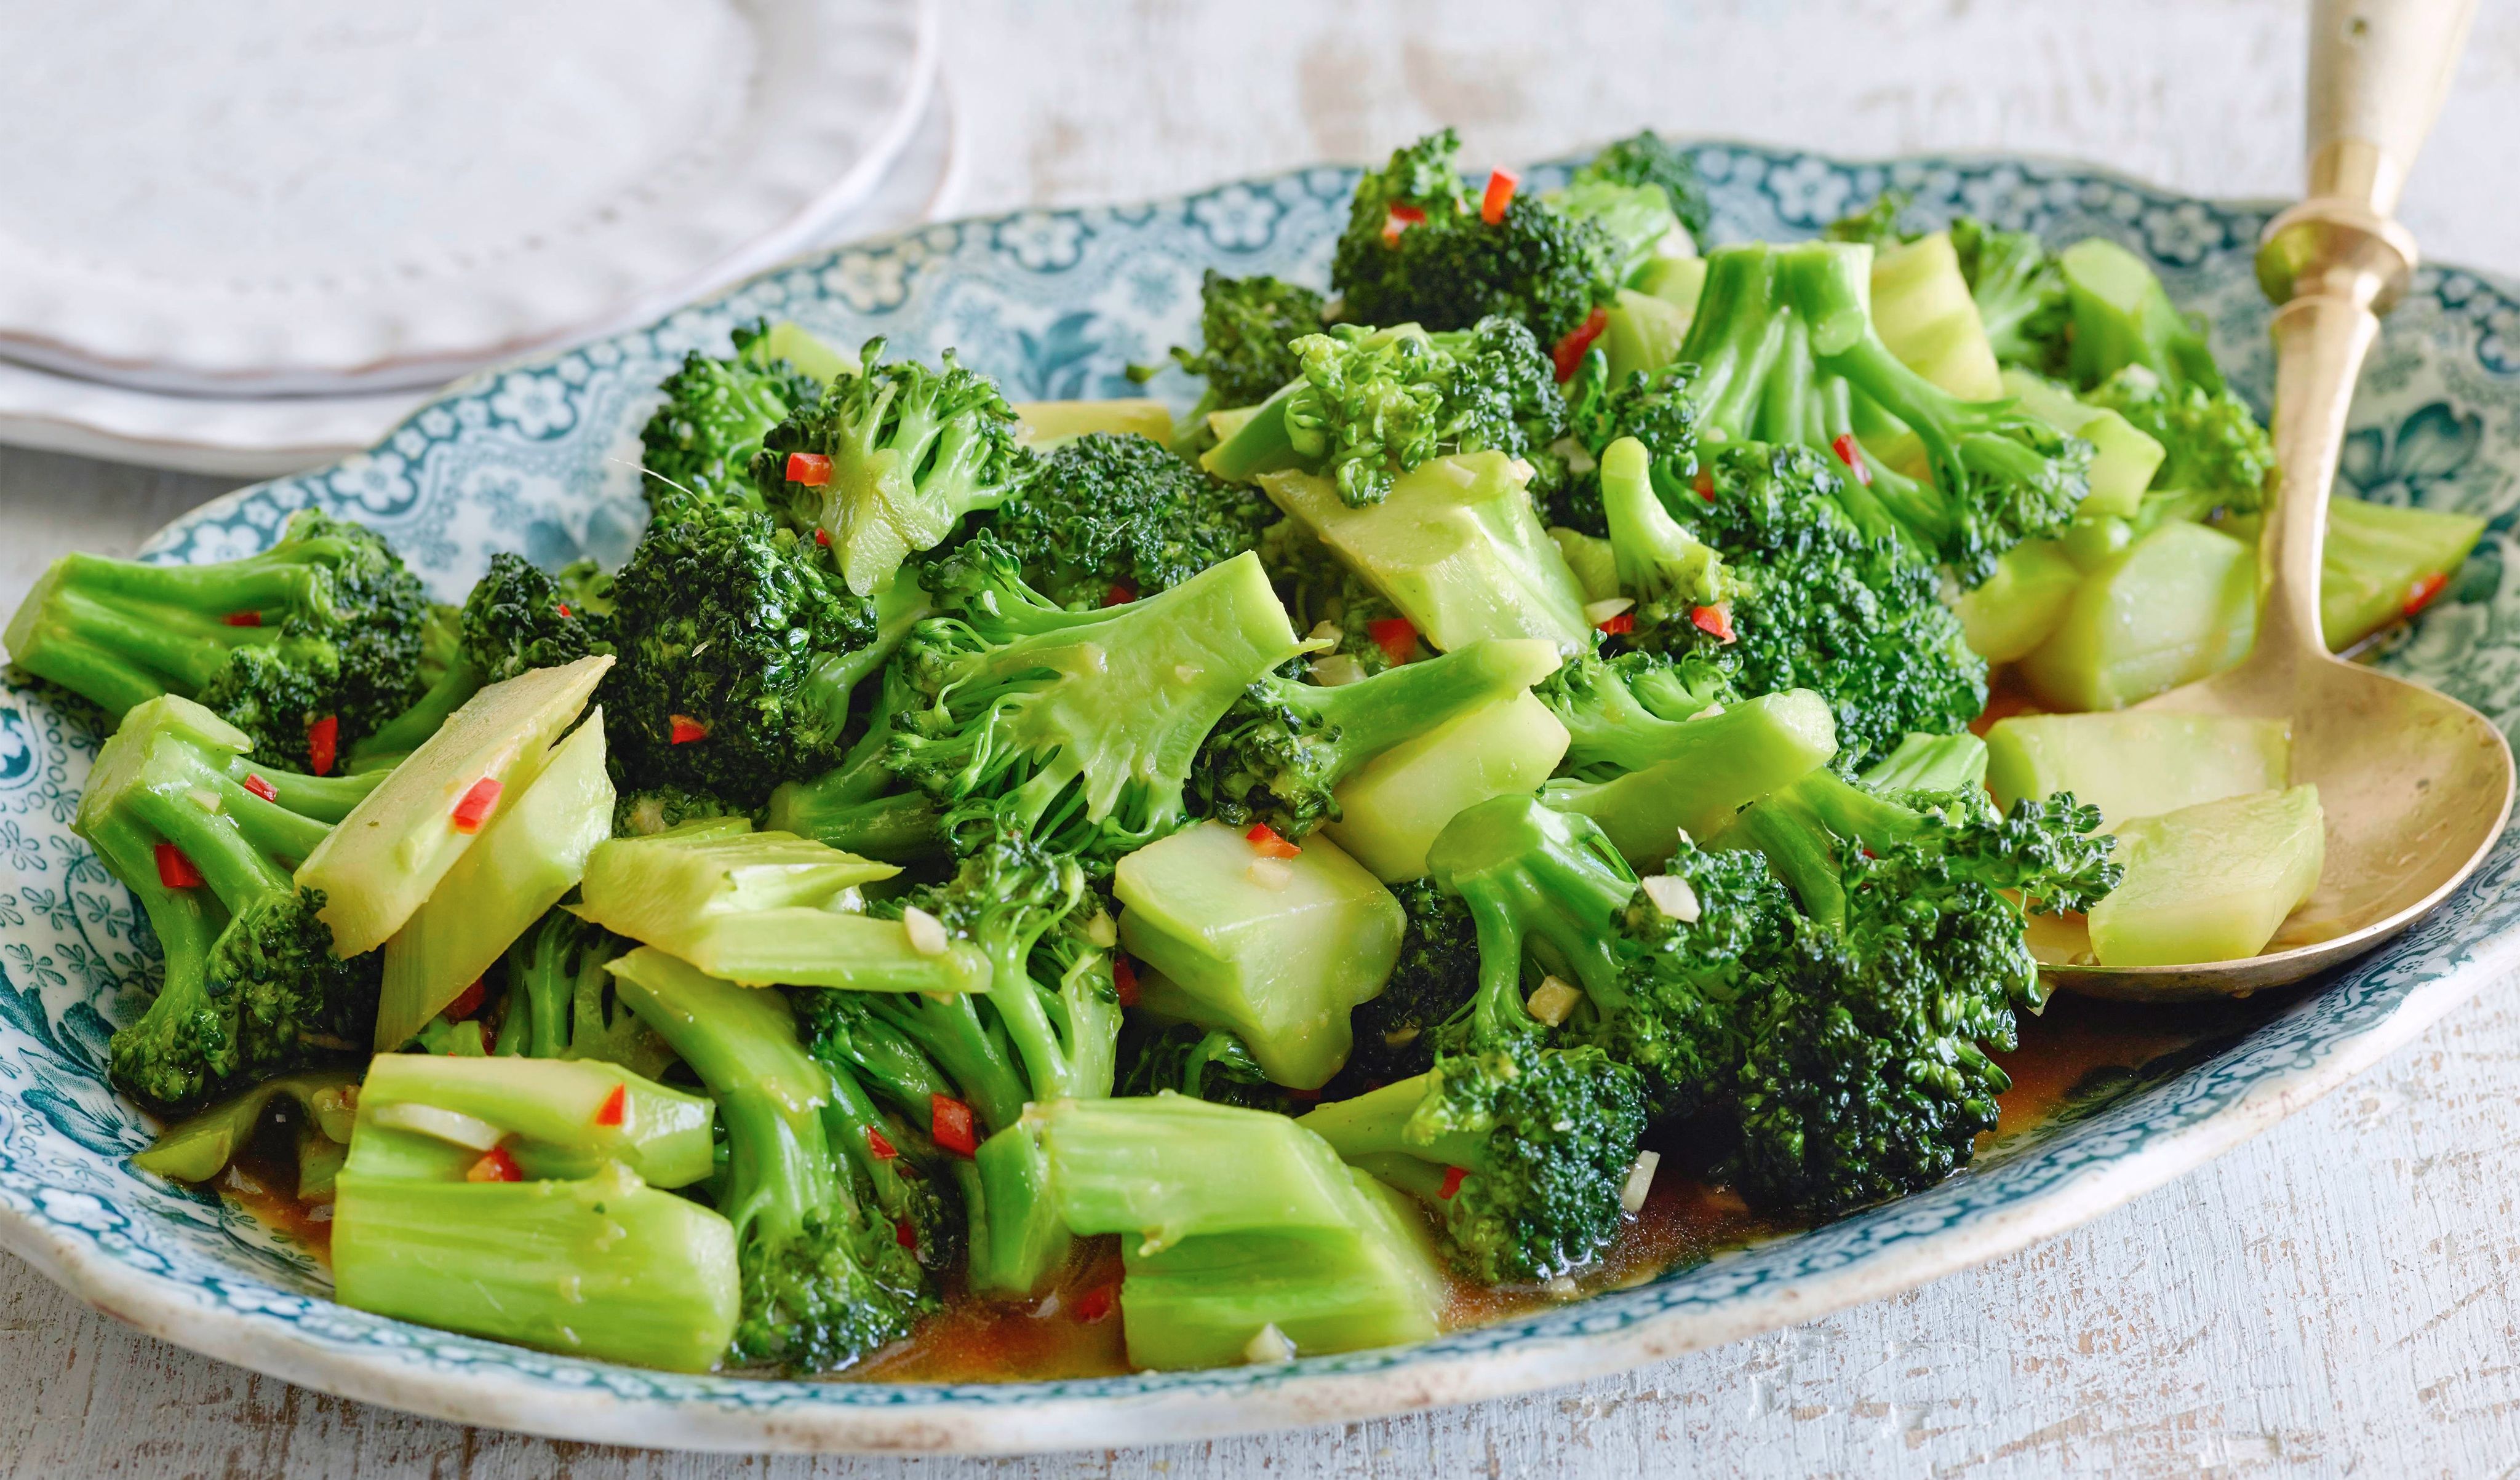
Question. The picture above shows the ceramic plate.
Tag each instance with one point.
(294, 197)
(540, 459)
(260, 436)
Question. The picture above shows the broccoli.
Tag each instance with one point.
(1645, 158)
(1653, 407)
(2218, 455)
(1416, 251)
(2123, 316)
(306, 647)
(1437, 975)
(702, 440)
(516, 618)
(2020, 294)
(740, 648)
(1203, 1063)
(1281, 751)
(825, 1278)
(1079, 730)
(1673, 577)
(1330, 602)
(888, 461)
(645, 814)
(1110, 517)
(1247, 328)
(1786, 353)
(207, 840)
(860, 804)
(1620, 712)
(1373, 403)
(1820, 606)
(1541, 1138)
(557, 999)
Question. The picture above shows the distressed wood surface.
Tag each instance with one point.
(2336, 1298)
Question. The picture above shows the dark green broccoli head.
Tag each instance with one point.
(893, 458)
(1556, 1132)
(702, 441)
(646, 813)
(1247, 328)
(519, 618)
(1374, 403)
(726, 625)
(1437, 973)
(1646, 159)
(1203, 1063)
(1618, 709)
(1113, 517)
(1416, 251)
(1822, 606)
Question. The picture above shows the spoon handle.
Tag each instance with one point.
(2336, 261)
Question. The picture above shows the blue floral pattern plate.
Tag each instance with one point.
(541, 457)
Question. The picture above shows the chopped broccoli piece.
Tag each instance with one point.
(702, 440)
(2020, 294)
(2123, 316)
(1438, 973)
(560, 1002)
(1646, 159)
(1327, 599)
(1653, 407)
(903, 452)
(1110, 517)
(324, 625)
(1247, 329)
(1416, 251)
(1373, 403)
(2215, 449)
(251, 985)
(1203, 1063)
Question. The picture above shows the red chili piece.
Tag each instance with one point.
(1498, 196)
(906, 1235)
(811, 468)
(1843, 444)
(1706, 483)
(1569, 353)
(262, 787)
(323, 744)
(495, 1165)
(1621, 625)
(1396, 636)
(1451, 1183)
(1124, 980)
(174, 870)
(823, 537)
(473, 809)
(2421, 593)
(688, 729)
(562, 608)
(243, 619)
(949, 1122)
(880, 1146)
(1400, 219)
(1715, 622)
(467, 1003)
(1266, 842)
(1118, 596)
(615, 1107)
(1092, 1305)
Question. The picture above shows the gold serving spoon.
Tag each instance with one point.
(2416, 786)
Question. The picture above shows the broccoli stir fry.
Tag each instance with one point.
(1512, 742)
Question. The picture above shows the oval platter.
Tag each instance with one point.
(541, 457)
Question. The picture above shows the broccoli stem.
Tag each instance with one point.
(1263, 443)
(972, 1050)
(406, 731)
(1373, 1131)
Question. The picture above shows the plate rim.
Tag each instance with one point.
(1054, 1422)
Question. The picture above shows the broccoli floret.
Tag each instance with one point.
(1653, 407)
(645, 814)
(251, 985)
(1645, 158)
(560, 1002)
(2123, 316)
(1786, 353)
(2020, 294)
(1437, 975)
(1247, 329)
(740, 648)
(1078, 729)
(1820, 606)
(1327, 599)
(1373, 403)
(825, 1277)
(1619, 711)
(1285, 747)
(702, 440)
(1543, 1137)
(1875, 225)
(1203, 1063)
(2215, 451)
(1417, 251)
(1673, 577)
(1113, 517)
(893, 458)
(306, 647)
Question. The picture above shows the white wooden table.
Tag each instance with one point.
(2338, 1297)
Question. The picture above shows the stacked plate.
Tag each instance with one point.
(258, 237)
